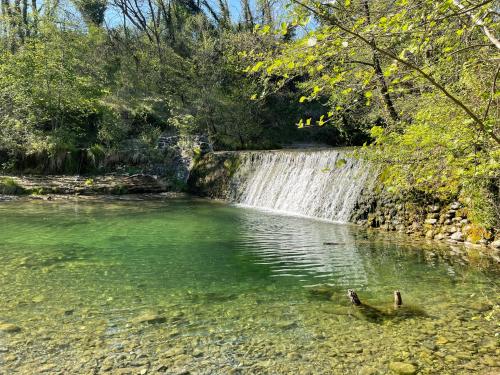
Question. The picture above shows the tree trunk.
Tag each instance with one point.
(480, 23)
(384, 90)
(34, 12)
(267, 14)
(247, 15)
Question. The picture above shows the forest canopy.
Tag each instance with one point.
(90, 85)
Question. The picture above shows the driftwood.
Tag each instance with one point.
(398, 301)
(376, 315)
(353, 297)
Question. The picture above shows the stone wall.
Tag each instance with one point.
(211, 176)
(422, 217)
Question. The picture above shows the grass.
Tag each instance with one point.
(9, 186)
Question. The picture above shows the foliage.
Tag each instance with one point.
(415, 82)
(418, 78)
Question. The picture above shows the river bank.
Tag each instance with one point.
(113, 184)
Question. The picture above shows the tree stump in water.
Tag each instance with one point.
(353, 297)
(398, 300)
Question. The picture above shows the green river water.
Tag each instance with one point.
(182, 285)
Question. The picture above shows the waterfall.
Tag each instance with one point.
(324, 184)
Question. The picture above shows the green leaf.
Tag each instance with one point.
(284, 28)
(320, 121)
(376, 131)
(257, 66)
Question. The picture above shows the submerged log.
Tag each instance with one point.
(353, 297)
(398, 300)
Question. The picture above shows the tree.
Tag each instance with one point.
(427, 73)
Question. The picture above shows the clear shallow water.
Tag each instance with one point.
(173, 285)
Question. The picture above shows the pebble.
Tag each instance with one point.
(107, 364)
(440, 340)
(10, 358)
(450, 358)
(402, 368)
(9, 328)
(38, 299)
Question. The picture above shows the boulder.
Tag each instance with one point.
(495, 244)
(457, 236)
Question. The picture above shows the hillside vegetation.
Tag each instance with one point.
(91, 85)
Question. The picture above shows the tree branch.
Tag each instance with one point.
(493, 91)
(479, 23)
(334, 21)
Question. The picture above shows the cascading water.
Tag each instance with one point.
(324, 184)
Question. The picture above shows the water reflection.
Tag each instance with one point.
(304, 248)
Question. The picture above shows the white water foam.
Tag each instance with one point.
(323, 184)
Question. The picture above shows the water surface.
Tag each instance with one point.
(177, 285)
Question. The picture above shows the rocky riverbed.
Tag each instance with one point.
(138, 287)
(249, 333)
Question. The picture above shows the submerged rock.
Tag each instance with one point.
(150, 318)
(402, 368)
(287, 325)
(440, 340)
(324, 291)
(9, 328)
(38, 299)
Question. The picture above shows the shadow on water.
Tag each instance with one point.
(396, 314)
(365, 311)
